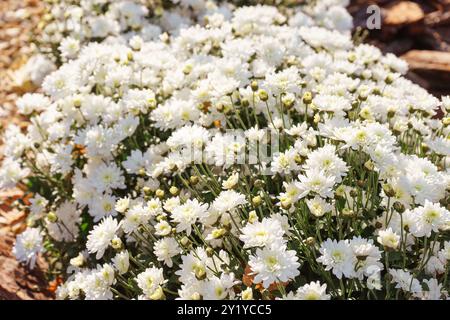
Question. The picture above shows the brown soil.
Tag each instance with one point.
(419, 32)
(18, 18)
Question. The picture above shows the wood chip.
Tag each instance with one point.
(428, 60)
(404, 12)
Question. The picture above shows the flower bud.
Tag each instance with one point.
(158, 294)
(147, 190)
(263, 95)
(310, 241)
(252, 216)
(209, 252)
(174, 190)
(187, 69)
(340, 191)
(218, 233)
(78, 261)
(200, 273)
(194, 180)
(288, 102)
(348, 213)
(247, 294)
(52, 217)
(258, 183)
(196, 296)
(116, 243)
(388, 190)
(256, 201)
(389, 79)
(254, 85)
(185, 241)
(307, 98)
(399, 207)
(369, 165)
(160, 193)
(316, 118)
(351, 57)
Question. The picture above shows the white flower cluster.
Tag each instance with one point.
(149, 181)
(68, 25)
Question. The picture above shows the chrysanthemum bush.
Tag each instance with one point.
(258, 157)
(68, 25)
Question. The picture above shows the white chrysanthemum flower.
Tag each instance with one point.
(430, 217)
(165, 249)
(311, 291)
(99, 239)
(338, 256)
(405, 281)
(150, 281)
(187, 214)
(274, 264)
(318, 206)
(121, 261)
(388, 238)
(28, 245)
(261, 234)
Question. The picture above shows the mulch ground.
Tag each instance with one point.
(18, 18)
(419, 32)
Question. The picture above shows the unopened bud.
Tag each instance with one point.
(194, 180)
(209, 252)
(346, 212)
(218, 233)
(52, 217)
(369, 165)
(174, 190)
(252, 216)
(254, 86)
(185, 241)
(307, 97)
(160, 193)
(147, 190)
(388, 190)
(116, 243)
(196, 296)
(340, 191)
(310, 241)
(187, 69)
(200, 274)
(259, 183)
(158, 294)
(78, 261)
(399, 207)
(389, 79)
(256, 201)
(263, 95)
